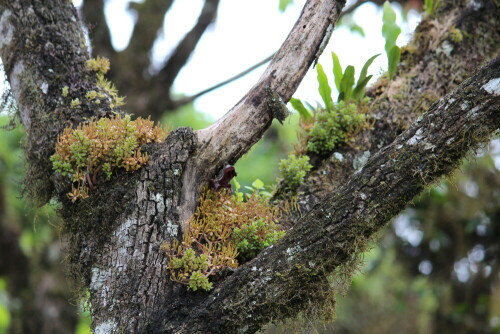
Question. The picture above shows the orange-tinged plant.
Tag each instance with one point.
(221, 223)
(99, 147)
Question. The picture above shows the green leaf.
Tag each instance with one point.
(297, 105)
(337, 71)
(258, 184)
(284, 4)
(237, 185)
(367, 65)
(346, 84)
(394, 56)
(357, 28)
(359, 90)
(324, 88)
(390, 30)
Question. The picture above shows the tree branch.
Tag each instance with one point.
(337, 229)
(150, 17)
(42, 52)
(234, 134)
(189, 99)
(93, 14)
(418, 84)
(163, 81)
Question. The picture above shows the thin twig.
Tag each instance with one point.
(186, 100)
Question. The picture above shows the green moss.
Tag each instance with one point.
(75, 103)
(332, 128)
(456, 35)
(223, 232)
(198, 280)
(293, 171)
(65, 91)
(98, 64)
(254, 237)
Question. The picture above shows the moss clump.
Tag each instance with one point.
(65, 91)
(293, 170)
(332, 127)
(101, 146)
(99, 65)
(456, 35)
(223, 232)
(75, 103)
(254, 237)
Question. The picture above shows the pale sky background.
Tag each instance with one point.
(245, 33)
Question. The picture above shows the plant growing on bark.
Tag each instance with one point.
(333, 127)
(224, 232)
(101, 146)
(293, 170)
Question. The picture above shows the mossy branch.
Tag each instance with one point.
(336, 230)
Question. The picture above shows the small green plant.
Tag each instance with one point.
(326, 127)
(101, 146)
(456, 35)
(332, 127)
(344, 82)
(391, 31)
(293, 170)
(252, 238)
(224, 231)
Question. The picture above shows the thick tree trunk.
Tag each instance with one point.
(115, 235)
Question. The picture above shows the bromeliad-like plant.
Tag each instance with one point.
(98, 147)
(223, 232)
(327, 126)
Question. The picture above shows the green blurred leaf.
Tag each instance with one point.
(297, 105)
(4, 319)
(431, 6)
(347, 83)
(284, 4)
(359, 90)
(324, 88)
(257, 184)
(390, 31)
(237, 185)
(394, 56)
(337, 71)
(367, 65)
(357, 28)
(83, 326)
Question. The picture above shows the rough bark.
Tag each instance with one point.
(115, 235)
(333, 232)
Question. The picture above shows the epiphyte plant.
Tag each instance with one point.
(99, 147)
(391, 31)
